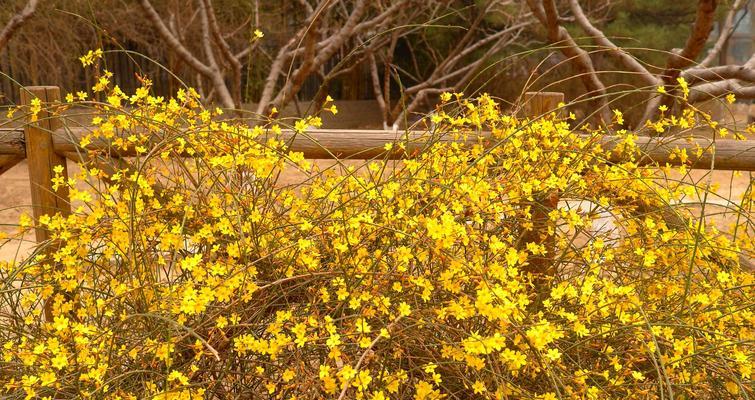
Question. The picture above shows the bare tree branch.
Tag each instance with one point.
(376, 88)
(16, 21)
(701, 28)
(718, 89)
(173, 41)
(724, 33)
(339, 32)
(679, 59)
(209, 70)
(545, 11)
(225, 50)
(600, 38)
(451, 69)
(718, 81)
(285, 54)
(724, 72)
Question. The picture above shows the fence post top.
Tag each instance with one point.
(41, 87)
(41, 91)
(44, 93)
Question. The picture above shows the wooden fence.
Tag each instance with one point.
(45, 143)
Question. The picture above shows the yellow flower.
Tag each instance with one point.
(48, 378)
(60, 323)
(619, 117)
(60, 361)
(288, 375)
(362, 380)
(553, 354)
(638, 376)
(684, 86)
(163, 352)
(35, 108)
(404, 309)
(178, 376)
(424, 390)
(479, 387)
(91, 56)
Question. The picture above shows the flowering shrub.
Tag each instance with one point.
(446, 275)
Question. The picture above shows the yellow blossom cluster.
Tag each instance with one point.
(191, 271)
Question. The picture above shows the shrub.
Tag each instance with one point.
(433, 277)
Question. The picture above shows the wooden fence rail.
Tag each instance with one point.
(721, 154)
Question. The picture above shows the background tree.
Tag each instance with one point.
(401, 53)
(16, 21)
(445, 56)
(704, 83)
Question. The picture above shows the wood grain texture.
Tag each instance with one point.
(42, 158)
(12, 142)
(537, 104)
(721, 154)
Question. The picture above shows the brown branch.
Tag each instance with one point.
(225, 50)
(485, 41)
(706, 10)
(285, 53)
(388, 63)
(725, 33)
(16, 21)
(209, 70)
(600, 38)
(468, 36)
(372, 24)
(545, 11)
(216, 76)
(331, 45)
(714, 90)
(719, 81)
(293, 85)
(379, 96)
(723, 72)
(307, 6)
(680, 59)
(173, 42)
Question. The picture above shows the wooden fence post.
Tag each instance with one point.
(538, 104)
(42, 160)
